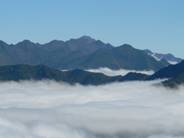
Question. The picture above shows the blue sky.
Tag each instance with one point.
(154, 24)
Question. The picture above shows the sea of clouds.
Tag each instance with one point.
(47, 109)
(110, 72)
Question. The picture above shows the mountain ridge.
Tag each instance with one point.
(23, 72)
(84, 53)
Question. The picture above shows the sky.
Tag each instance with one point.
(146, 24)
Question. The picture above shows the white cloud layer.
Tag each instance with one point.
(120, 110)
(122, 72)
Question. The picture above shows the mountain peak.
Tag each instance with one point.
(86, 38)
(25, 42)
(55, 42)
(126, 46)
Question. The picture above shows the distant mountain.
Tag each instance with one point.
(56, 54)
(82, 53)
(168, 57)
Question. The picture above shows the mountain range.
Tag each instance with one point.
(81, 53)
(33, 61)
(174, 74)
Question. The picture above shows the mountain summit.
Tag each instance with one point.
(87, 39)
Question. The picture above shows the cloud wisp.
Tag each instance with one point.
(110, 72)
(121, 110)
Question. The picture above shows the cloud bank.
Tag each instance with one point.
(120, 110)
(122, 72)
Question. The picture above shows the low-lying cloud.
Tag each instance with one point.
(120, 110)
(110, 72)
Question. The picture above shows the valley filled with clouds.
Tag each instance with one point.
(92, 69)
(47, 109)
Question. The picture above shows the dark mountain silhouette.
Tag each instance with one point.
(133, 76)
(83, 53)
(169, 72)
(175, 73)
(42, 72)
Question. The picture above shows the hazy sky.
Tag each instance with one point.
(154, 24)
